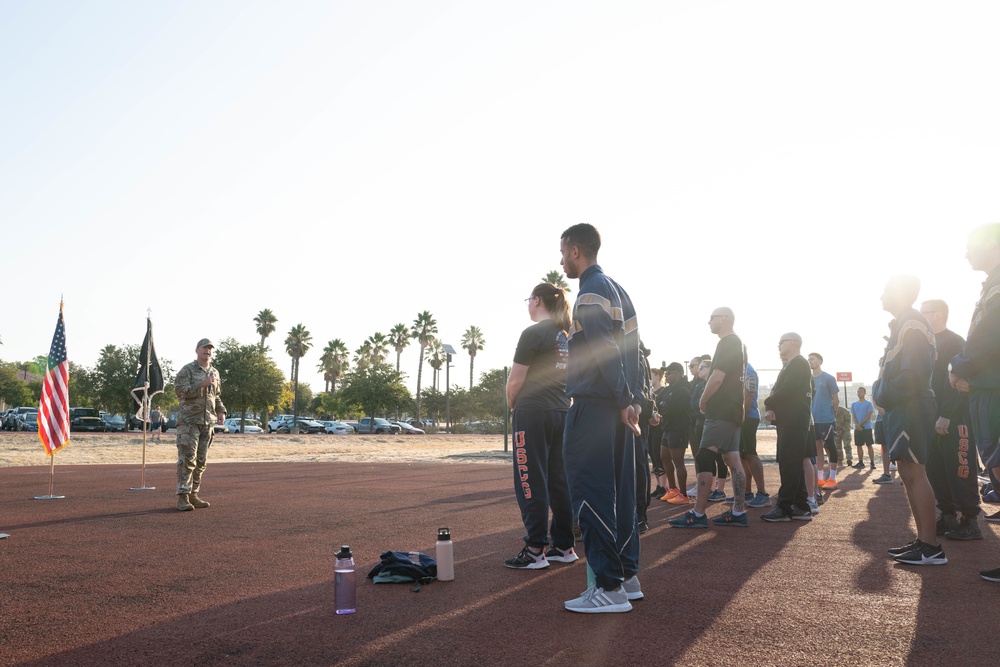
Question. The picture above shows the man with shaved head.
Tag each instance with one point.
(788, 408)
(722, 402)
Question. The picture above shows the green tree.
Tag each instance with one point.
(489, 396)
(473, 341)
(379, 348)
(82, 391)
(424, 329)
(252, 382)
(556, 278)
(114, 374)
(265, 321)
(13, 390)
(334, 363)
(399, 338)
(298, 342)
(377, 390)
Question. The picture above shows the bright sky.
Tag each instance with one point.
(350, 164)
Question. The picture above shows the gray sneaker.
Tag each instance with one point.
(813, 506)
(561, 555)
(760, 500)
(595, 600)
(632, 589)
(884, 479)
(968, 529)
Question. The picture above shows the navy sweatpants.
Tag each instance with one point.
(600, 467)
(951, 470)
(540, 477)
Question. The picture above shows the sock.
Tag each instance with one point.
(819, 475)
(696, 514)
(833, 474)
(735, 513)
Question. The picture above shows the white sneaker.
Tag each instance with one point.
(595, 600)
(561, 555)
(813, 506)
(892, 467)
(693, 491)
(631, 587)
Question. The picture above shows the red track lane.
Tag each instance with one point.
(110, 576)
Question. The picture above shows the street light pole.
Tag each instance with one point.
(448, 351)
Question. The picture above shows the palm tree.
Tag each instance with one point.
(557, 279)
(379, 348)
(435, 353)
(363, 356)
(399, 338)
(423, 329)
(333, 363)
(265, 321)
(297, 343)
(473, 341)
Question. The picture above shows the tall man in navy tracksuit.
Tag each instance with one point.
(976, 370)
(603, 379)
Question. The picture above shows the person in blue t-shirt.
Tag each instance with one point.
(824, 411)
(863, 411)
(752, 467)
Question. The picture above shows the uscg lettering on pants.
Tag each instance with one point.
(963, 451)
(521, 456)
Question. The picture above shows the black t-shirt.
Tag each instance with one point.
(727, 402)
(543, 348)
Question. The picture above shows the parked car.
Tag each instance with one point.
(113, 423)
(337, 428)
(425, 424)
(283, 424)
(407, 429)
(12, 421)
(171, 422)
(249, 425)
(365, 425)
(85, 419)
(135, 424)
(9, 412)
(27, 421)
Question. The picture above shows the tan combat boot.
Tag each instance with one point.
(182, 502)
(198, 502)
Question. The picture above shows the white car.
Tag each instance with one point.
(249, 425)
(336, 428)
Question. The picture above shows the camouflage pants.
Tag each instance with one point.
(193, 442)
(844, 443)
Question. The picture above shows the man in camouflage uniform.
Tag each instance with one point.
(197, 387)
(842, 434)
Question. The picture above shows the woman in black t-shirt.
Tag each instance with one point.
(536, 392)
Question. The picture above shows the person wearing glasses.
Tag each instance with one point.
(536, 393)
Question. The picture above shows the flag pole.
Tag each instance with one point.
(52, 474)
(145, 416)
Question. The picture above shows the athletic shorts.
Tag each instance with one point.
(863, 436)
(722, 434)
(811, 444)
(880, 432)
(826, 433)
(909, 429)
(675, 439)
(748, 437)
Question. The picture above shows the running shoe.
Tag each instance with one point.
(819, 498)
(526, 560)
(632, 589)
(716, 496)
(993, 518)
(679, 499)
(643, 526)
(760, 500)
(657, 492)
(873, 466)
(945, 523)
(897, 551)
(813, 506)
(892, 467)
(850, 463)
(689, 520)
(923, 554)
(775, 515)
(967, 530)
(990, 575)
(670, 493)
(561, 555)
(860, 465)
(595, 600)
(730, 519)
(830, 484)
(693, 491)
(747, 497)
(884, 479)
(802, 515)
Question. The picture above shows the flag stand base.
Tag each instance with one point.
(48, 497)
(4, 536)
(142, 488)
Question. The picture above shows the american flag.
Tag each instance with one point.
(53, 410)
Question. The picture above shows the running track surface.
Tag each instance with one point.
(109, 576)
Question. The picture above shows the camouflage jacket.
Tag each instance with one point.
(199, 406)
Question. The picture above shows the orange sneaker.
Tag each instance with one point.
(671, 492)
(830, 484)
(679, 499)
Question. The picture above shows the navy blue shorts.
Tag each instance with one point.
(909, 429)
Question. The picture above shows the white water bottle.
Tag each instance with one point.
(444, 553)
(344, 584)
